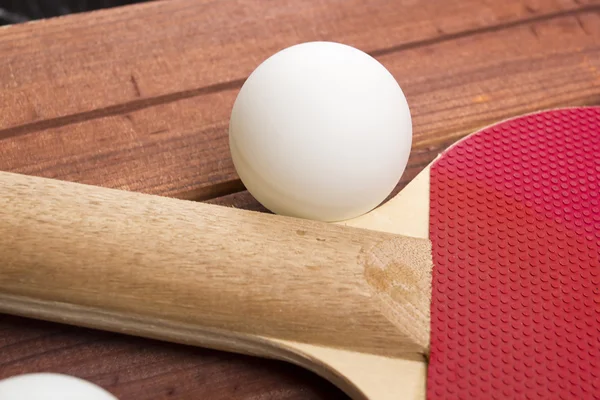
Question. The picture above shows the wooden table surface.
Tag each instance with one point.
(139, 97)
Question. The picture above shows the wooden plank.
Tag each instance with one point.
(175, 149)
(87, 65)
(133, 368)
(453, 86)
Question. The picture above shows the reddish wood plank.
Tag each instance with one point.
(453, 87)
(133, 368)
(174, 149)
(81, 66)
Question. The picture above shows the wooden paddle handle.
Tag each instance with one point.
(201, 274)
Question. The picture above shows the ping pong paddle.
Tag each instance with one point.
(507, 219)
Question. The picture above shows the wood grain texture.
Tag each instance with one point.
(140, 102)
(134, 368)
(210, 269)
(184, 48)
(452, 69)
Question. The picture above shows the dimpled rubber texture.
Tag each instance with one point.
(515, 230)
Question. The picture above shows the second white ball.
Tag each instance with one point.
(50, 386)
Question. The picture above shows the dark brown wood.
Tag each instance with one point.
(139, 98)
(141, 369)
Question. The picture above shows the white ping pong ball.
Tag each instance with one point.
(50, 386)
(321, 131)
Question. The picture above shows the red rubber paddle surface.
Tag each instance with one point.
(515, 229)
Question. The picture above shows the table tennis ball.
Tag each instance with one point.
(320, 130)
(50, 386)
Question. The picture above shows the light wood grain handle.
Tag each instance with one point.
(202, 274)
